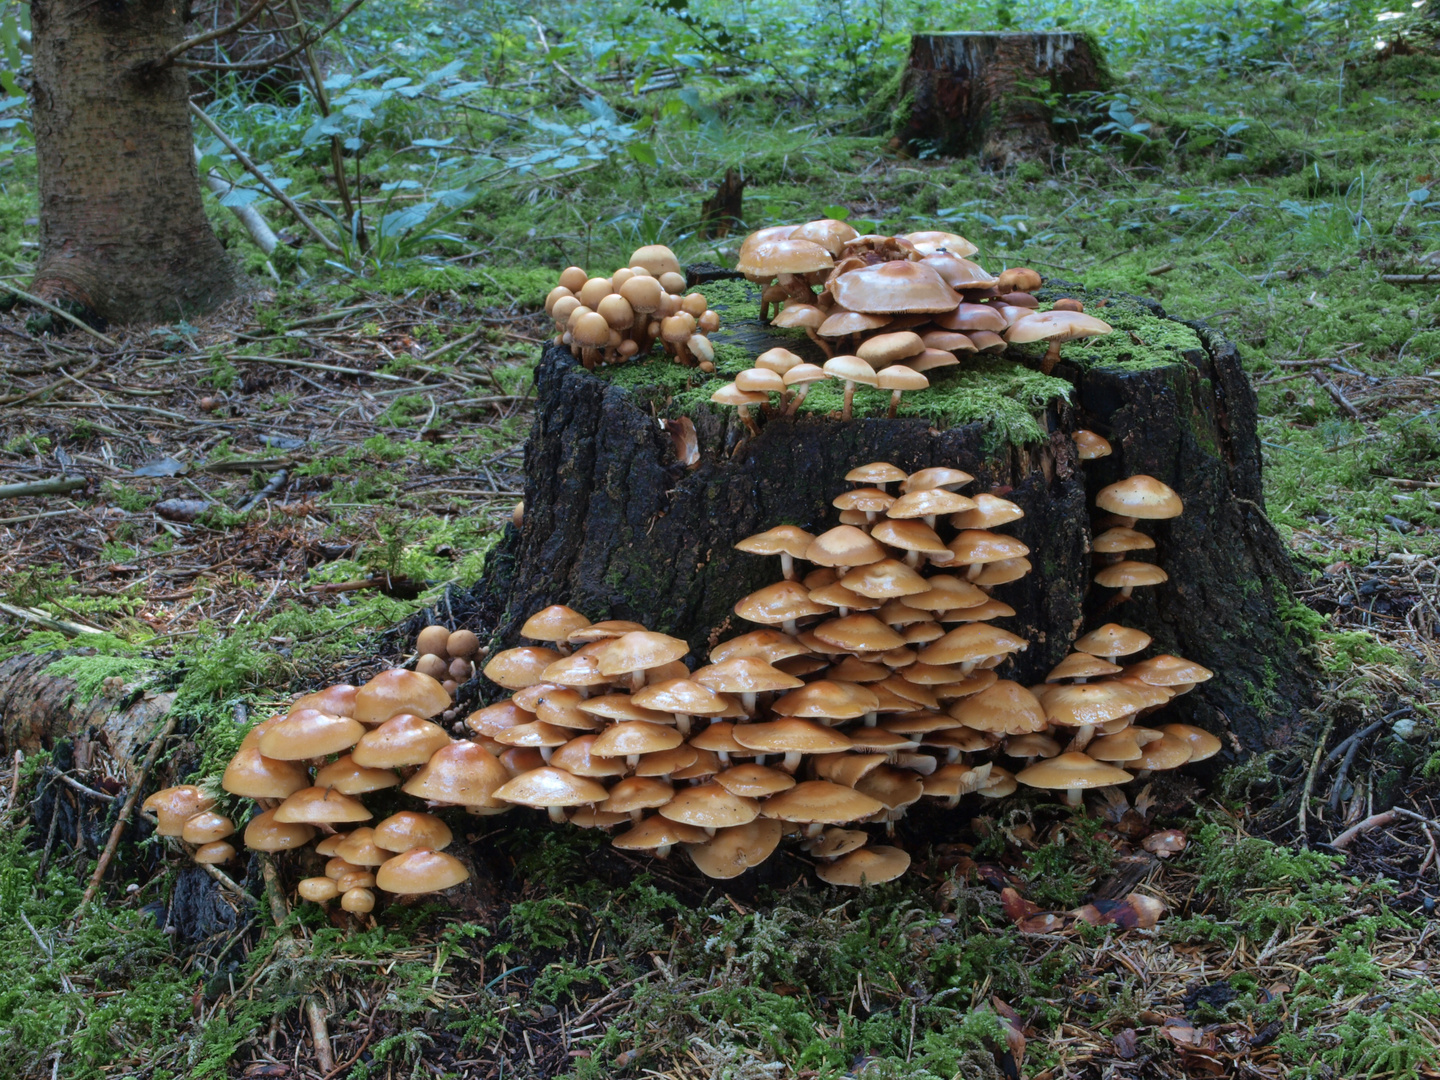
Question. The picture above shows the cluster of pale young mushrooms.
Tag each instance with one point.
(871, 685)
(609, 320)
(887, 309)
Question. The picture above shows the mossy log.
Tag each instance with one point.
(617, 527)
(39, 710)
(974, 93)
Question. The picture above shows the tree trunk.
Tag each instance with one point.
(616, 527)
(963, 93)
(123, 231)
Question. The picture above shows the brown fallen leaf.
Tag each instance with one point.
(1047, 922)
(1134, 912)
(684, 440)
(1127, 1044)
(1014, 1029)
(1016, 906)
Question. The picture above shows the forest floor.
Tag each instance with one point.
(260, 494)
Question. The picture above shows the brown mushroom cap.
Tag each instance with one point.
(929, 502)
(399, 691)
(358, 901)
(205, 827)
(1004, 707)
(778, 360)
(310, 734)
(830, 234)
(1070, 771)
(682, 696)
(842, 323)
(420, 870)
(656, 258)
(974, 546)
(1119, 540)
(640, 650)
(1056, 326)
(844, 545)
(777, 604)
(255, 776)
(549, 786)
(790, 734)
(820, 802)
(604, 631)
(580, 669)
(939, 476)
(1079, 665)
(958, 272)
(884, 580)
(400, 741)
(411, 829)
(946, 593)
(554, 623)
(577, 756)
(868, 499)
(1167, 752)
(826, 699)
(630, 737)
(909, 534)
(882, 350)
(710, 806)
(337, 700)
(858, 633)
(264, 833)
(929, 241)
(1128, 574)
(1113, 639)
(317, 890)
(744, 675)
(1167, 670)
(771, 258)
(174, 806)
(733, 850)
(348, 777)
(432, 639)
(658, 832)
(515, 669)
(1140, 496)
(971, 642)
(1089, 703)
(623, 707)
(866, 866)
(971, 319)
(876, 472)
(989, 512)
(320, 806)
(767, 645)
(782, 540)
(637, 793)
(463, 773)
(754, 781)
(1089, 445)
(1202, 744)
(898, 287)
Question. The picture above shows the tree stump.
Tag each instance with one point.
(973, 93)
(617, 527)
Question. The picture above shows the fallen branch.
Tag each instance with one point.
(1411, 279)
(254, 222)
(1374, 821)
(255, 171)
(337, 369)
(1335, 393)
(49, 622)
(273, 485)
(80, 324)
(57, 486)
(125, 811)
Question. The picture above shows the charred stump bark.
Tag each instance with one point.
(973, 93)
(617, 527)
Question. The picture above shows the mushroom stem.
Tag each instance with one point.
(820, 342)
(663, 851)
(849, 399)
(974, 571)
(637, 680)
(589, 356)
(814, 828)
(545, 752)
(748, 420)
(791, 762)
(1083, 734)
(952, 802)
(682, 723)
(747, 702)
(787, 565)
(632, 760)
(1073, 796)
(557, 814)
(792, 626)
(771, 294)
(894, 405)
(871, 719)
(1052, 357)
(796, 401)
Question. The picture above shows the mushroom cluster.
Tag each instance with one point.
(308, 769)
(915, 300)
(613, 319)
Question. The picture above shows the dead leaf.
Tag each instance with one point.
(1127, 1044)
(1014, 1029)
(684, 440)
(1016, 906)
(1134, 912)
(1048, 922)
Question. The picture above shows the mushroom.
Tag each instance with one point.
(639, 651)
(1072, 772)
(851, 370)
(913, 537)
(410, 829)
(420, 870)
(399, 691)
(656, 259)
(830, 234)
(317, 890)
(1018, 279)
(1118, 541)
(320, 806)
(954, 780)
(940, 476)
(897, 379)
(802, 375)
(927, 242)
(757, 781)
(551, 789)
(710, 807)
(1113, 640)
(461, 774)
(876, 474)
(731, 394)
(843, 547)
(1137, 497)
(1126, 575)
(747, 676)
(1202, 744)
(1089, 445)
(659, 835)
(733, 850)
(767, 645)
(1167, 752)
(884, 349)
(958, 272)
(1003, 707)
(264, 833)
(310, 734)
(631, 738)
(816, 803)
(1081, 666)
(1167, 670)
(255, 776)
(807, 317)
(636, 794)
(554, 625)
(891, 288)
(1085, 706)
(787, 541)
(883, 580)
(682, 699)
(792, 736)
(788, 262)
(977, 547)
(1056, 327)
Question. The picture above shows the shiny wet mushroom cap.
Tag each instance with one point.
(461, 773)
(412, 829)
(1112, 640)
(1128, 575)
(1140, 496)
(264, 833)
(310, 734)
(551, 789)
(1072, 773)
(1089, 445)
(420, 870)
(1056, 328)
(733, 850)
(399, 691)
(174, 806)
(1202, 744)
(867, 866)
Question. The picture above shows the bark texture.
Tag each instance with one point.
(617, 528)
(960, 93)
(123, 231)
(39, 711)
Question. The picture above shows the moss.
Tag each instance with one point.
(495, 287)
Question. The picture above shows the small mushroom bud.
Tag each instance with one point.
(573, 278)
(460, 670)
(209, 404)
(561, 309)
(694, 303)
(462, 644)
(701, 348)
(1020, 299)
(669, 305)
(1068, 304)
(621, 276)
(709, 322)
(1018, 279)
(517, 515)
(317, 890)
(557, 293)
(450, 686)
(626, 350)
(675, 331)
(432, 665)
(592, 334)
(672, 282)
(617, 311)
(358, 901)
